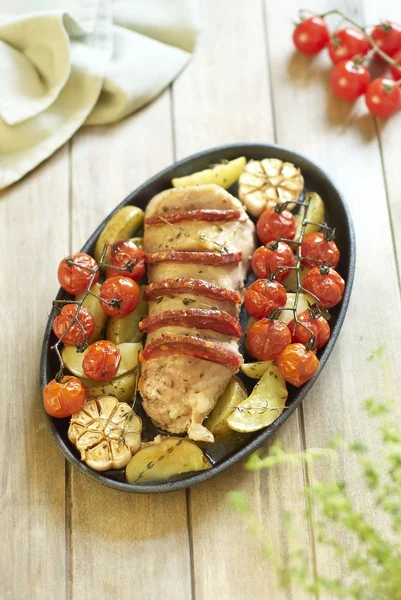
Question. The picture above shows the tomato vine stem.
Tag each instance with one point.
(363, 29)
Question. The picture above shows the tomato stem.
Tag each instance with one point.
(364, 30)
(56, 303)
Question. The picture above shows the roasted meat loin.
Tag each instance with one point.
(199, 242)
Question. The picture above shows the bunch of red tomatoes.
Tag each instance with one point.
(349, 50)
(74, 325)
(292, 346)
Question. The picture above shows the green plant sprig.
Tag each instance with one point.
(371, 566)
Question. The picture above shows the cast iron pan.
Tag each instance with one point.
(225, 453)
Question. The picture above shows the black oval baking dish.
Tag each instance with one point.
(225, 453)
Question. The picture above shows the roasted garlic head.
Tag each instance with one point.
(106, 432)
(265, 182)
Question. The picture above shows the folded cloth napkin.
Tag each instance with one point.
(88, 63)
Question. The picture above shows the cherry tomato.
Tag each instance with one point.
(396, 73)
(101, 361)
(316, 323)
(326, 284)
(126, 255)
(75, 334)
(388, 37)
(272, 225)
(347, 43)
(297, 364)
(263, 296)
(324, 251)
(123, 290)
(65, 398)
(75, 279)
(266, 259)
(349, 79)
(266, 339)
(383, 97)
(311, 35)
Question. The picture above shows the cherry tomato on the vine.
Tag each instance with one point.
(316, 323)
(387, 36)
(396, 73)
(347, 43)
(326, 284)
(273, 225)
(383, 97)
(297, 364)
(315, 246)
(73, 278)
(65, 398)
(349, 79)
(311, 35)
(76, 334)
(124, 291)
(101, 361)
(126, 255)
(266, 339)
(266, 259)
(263, 296)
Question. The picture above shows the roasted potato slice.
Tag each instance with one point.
(304, 301)
(165, 457)
(316, 214)
(234, 394)
(138, 241)
(126, 329)
(263, 406)
(290, 283)
(121, 226)
(223, 175)
(94, 306)
(256, 370)
(265, 182)
(129, 359)
(122, 388)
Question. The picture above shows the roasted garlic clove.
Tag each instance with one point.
(265, 182)
(106, 432)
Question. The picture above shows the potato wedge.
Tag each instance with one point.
(234, 394)
(122, 388)
(315, 214)
(138, 241)
(129, 359)
(290, 283)
(256, 370)
(165, 457)
(263, 406)
(94, 306)
(223, 175)
(303, 303)
(126, 329)
(121, 226)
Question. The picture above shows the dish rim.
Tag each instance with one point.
(243, 148)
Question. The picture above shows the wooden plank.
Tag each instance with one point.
(130, 546)
(389, 131)
(34, 235)
(223, 97)
(342, 139)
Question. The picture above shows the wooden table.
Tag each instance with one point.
(63, 535)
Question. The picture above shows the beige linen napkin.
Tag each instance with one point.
(75, 62)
